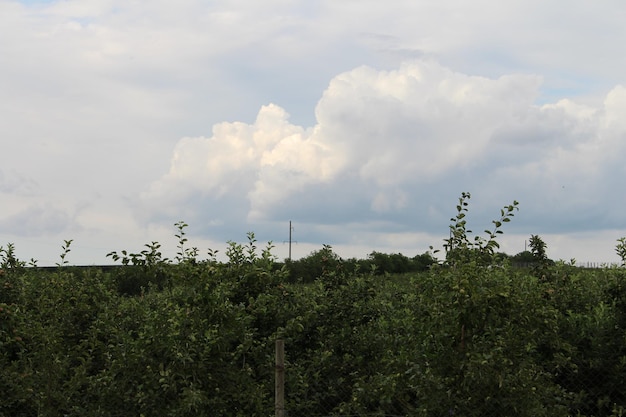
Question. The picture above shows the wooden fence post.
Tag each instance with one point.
(280, 378)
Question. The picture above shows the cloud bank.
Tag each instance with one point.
(393, 149)
(361, 122)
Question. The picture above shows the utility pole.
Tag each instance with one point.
(290, 229)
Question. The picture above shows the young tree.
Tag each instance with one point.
(538, 248)
(620, 248)
(460, 249)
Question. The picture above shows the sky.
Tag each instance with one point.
(361, 122)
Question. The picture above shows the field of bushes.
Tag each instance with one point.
(473, 335)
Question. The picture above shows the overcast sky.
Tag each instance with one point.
(360, 121)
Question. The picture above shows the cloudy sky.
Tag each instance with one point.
(360, 121)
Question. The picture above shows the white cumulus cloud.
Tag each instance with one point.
(398, 146)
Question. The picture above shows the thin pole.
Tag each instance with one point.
(290, 228)
(290, 239)
(279, 403)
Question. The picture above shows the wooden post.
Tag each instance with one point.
(280, 378)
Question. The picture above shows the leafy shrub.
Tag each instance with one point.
(144, 270)
(620, 249)
(460, 338)
(315, 265)
(460, 249)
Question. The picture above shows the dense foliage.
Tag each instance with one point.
(323, 261)
(193, 337)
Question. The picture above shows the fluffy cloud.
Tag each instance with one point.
(251, 167)
(419, 121)
(397, 147)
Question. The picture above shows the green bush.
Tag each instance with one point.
(195, 337)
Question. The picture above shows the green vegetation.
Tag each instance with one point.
(471, 335)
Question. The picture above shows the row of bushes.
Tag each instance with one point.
(197, 339)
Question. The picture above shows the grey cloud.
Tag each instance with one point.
(36, 220)
(14, 183)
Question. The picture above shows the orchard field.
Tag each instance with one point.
(473, 335)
